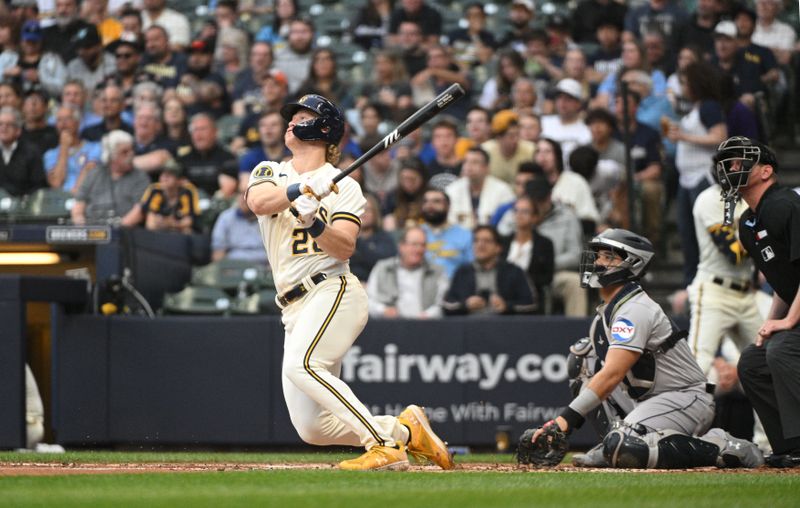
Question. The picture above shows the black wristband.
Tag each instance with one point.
(573, 418)
(316, 228)
(293, 192)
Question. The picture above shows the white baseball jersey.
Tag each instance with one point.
(708, 211)
(292, 252)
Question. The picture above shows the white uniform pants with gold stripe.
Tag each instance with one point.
(718, 312)
(320, 328)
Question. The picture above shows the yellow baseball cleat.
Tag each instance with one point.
(378, 458)
(424, 442)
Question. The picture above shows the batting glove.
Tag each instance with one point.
(306, 207)
(318, 186)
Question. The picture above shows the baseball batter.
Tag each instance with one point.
(640, 350)
(722, 302)
(324, 307)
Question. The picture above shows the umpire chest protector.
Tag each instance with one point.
(640, 380)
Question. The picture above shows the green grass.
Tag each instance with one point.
(334, 488)
(105, 457)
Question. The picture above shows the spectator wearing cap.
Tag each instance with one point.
(294, 59)
(590, 15)
(473, 45)
(772, 33)
(667, 16)
(161, 63)
(416, 11)
(566, 125)
(574, 66)
(476, 196)
(156, 12)
(403, 207)
(752, 68)
(171, 204)
(203, 89)
(69, 163)
(607, 58)
(558, 30)
(506, 150)
(34, 67)
(699, 31)
(59, 37)
(209, 166)
(152, 150)
(236, 234)
(92, 65)
(250, 79)
(20, 163)
(520, 19)
(127, 52)
(96, 13)
(35, 129)
(112, 103)
(271, 147)
(560, 224)
(274, 92)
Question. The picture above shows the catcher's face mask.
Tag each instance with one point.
(599, 265)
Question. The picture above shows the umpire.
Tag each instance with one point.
(770, 231)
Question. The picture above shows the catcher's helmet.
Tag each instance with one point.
(636, 252)
(328, 126)
(735, 159)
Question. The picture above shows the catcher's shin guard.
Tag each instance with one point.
(627, 447)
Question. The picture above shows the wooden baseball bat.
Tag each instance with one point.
(409, 125)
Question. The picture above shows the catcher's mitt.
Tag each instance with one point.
(547, 451)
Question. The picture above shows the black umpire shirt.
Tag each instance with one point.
(771, 235)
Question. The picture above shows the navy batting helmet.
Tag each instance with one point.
(636, 252)
(328, 126)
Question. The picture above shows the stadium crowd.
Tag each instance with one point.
(142, 112)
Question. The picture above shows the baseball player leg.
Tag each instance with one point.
(34, 410)
(658, 433)
(333, 315)
(734, 452)
(710, 320)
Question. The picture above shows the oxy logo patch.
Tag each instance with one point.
(622, 331)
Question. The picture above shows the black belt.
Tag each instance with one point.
(744, 287)
(300, 290)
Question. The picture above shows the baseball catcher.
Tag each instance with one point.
(642, 360)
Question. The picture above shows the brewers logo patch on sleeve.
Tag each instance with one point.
(622, 331)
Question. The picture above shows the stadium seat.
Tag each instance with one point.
(197, 300)
(229, 274)
(47, 205)
(261, 302)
